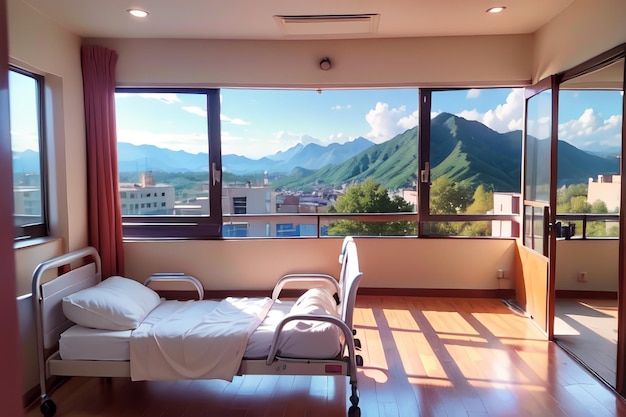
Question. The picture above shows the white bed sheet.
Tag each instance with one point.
(80, 343)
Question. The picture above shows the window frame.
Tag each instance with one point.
(186, 227)
(424, 174)
(211, 226)
(41, 228)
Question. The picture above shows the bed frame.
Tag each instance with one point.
(82, 269)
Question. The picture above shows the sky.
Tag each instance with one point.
(257, 123)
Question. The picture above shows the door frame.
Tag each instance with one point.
(548, 247)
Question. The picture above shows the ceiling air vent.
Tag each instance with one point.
(328, 24)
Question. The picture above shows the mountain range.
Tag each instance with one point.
(461, 149)
(133, 158)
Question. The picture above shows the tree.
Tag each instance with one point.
(482, 201)
(482, 204)
(370, 197)
(449, 197)
(599, 207)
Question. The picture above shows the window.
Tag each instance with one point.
(239, 205)
(588, 193)
(473, 152)
(297, 154)
(27, 145)
(316, 163)
(168, 142)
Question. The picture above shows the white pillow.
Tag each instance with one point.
(117, 303)
(316, 297)
(308, 338)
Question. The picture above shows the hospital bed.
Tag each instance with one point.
(118, 327)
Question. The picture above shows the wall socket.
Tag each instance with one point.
(500, 274)
(582, 277)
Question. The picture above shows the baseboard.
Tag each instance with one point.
(598, 295)
(439, 292)
(386, 292)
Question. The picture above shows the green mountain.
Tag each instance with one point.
(461, 149)
(391, 163)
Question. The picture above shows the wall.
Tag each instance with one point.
(598, 258)
(385, 263)
(495, 60)
(582, 31)
(59, 62)
(9, 348)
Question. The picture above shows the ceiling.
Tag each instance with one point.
(255, 19)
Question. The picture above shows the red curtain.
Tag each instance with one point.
(105, 217)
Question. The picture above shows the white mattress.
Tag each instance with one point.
(80, 343)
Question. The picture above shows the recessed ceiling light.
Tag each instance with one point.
(496, 9)
(137, 12)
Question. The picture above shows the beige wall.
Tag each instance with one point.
(385, 263)
(481, 60)
(580, 32)
(598, 258)
(39, 44)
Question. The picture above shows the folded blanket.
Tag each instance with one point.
(195, 339)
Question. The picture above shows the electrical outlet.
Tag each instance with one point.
(500, 274)
(582, 277)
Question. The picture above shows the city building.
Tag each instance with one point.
(606, 188)
(147, 198)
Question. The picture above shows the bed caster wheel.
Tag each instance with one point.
(48, 408)
(354, 411)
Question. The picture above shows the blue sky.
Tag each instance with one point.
(256, 123)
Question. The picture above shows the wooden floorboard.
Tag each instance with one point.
(587, 328)
(427, 357)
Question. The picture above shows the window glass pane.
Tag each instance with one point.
(590, 147)
(163, 153)
(475, 160)
(318, 152)
(24, 92)
(539, 122)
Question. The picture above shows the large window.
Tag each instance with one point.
(29, 196)
(473, 152)
(168, 162)
(283, 153)
(590, 147)
(277, 163)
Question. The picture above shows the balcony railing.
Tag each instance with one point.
(589, 226)
(358, 224)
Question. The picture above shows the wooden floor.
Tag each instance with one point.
(587, 328)
(422, 357)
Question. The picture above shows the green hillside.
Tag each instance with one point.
(460, 149)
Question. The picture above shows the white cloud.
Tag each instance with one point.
(388, 122)
(167, 98)
(410, 121)
(233, 121)
(24, 139)
(590, 129)
(337, 138)
(473, 93)
(195, 110)
(340, 107)
(192, 143)
(505, 117)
